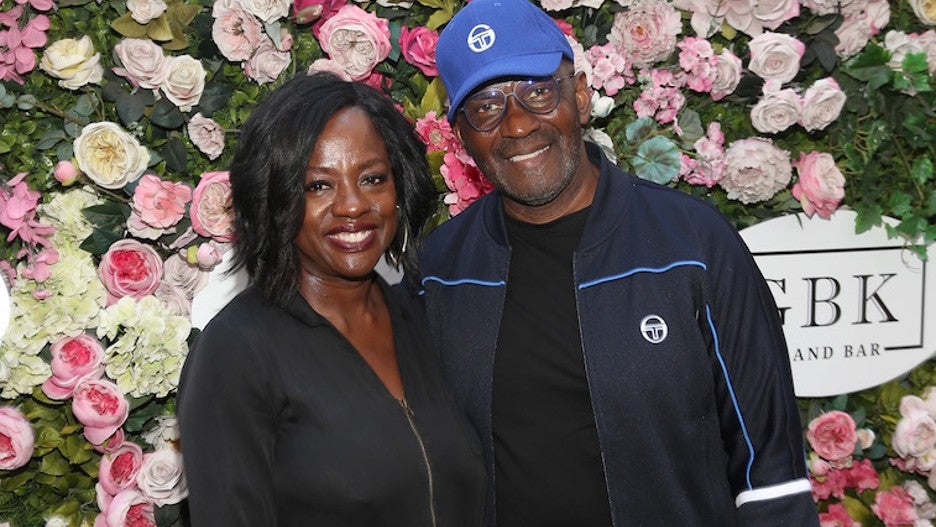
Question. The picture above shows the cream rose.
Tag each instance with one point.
(110, 156)
(161, 478)
(755, 170)
(73, 62)
(822, 104)
(775, 56)
(143, 11)
(185, 82)
(777, 109)
(143, 62)
(925, 10)
(356, 39)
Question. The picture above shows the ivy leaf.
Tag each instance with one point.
(922, 170)
(657, 160)
(900, 203)
(868, 216)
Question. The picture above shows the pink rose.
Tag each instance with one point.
(211, 210)
(894, 507)
(130, 508)
(99, 405)
(356, 39)
(755, 170)
(418, 48)
(207, 256)
(142, 62)
(267, 62)
(822, 104)
(129, 268)
(74, 359)
(207, 135)
(66, 172)
(775, 56)
(821, 185)
(646, 32)
(836, 516)
(832, 435)
(160, 203)
(832, 484)
(235, 31)
(435, 132)
(305, 11)
(118, 469)
(16, 439)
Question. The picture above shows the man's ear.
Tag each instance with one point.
(583, 95)
(457, 129)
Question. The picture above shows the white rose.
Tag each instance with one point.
(777, 109)
(601, 105)
(207, 135)
(145, 10)
(161, 478)
(727, 75)
(267, 10)
(928, 42)
(178, 272)
(755, 170)
(853, 36)
(174, 298)
(74, 62)
(267, 63)
(877, 13)
(56, 521)
(110, 156)
(185, 82)
(775, 56)
(822, 104)
(143, 61)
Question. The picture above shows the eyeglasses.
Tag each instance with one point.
(485, 109)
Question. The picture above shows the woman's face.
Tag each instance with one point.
(350, 200)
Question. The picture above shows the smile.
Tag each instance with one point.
(531, 155)
(352, 237)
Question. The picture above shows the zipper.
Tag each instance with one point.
(422, 448)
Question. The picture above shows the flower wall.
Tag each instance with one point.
(117, 123)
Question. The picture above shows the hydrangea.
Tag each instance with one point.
(63, 212)
(149, 346)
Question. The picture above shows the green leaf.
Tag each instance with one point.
(657, 160)
(691, 125)
(109, 215)
(215, 96)
(867, 218)
(167, 115)
(158, 29)
(175, 154)
(76, 449)
(900, 203)
(438, 18)
(54, 464)
(130, 107)
(50, 139)
(128, 27)
(640, 129)
(433, 98)
(84, 106)
(99, 241)
(167, 515)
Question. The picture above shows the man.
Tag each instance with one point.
(611, 339)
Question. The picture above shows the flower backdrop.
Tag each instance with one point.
(117, 123)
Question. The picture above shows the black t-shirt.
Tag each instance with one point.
(548, 464)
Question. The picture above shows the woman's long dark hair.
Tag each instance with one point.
(269, 168)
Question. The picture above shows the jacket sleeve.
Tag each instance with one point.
(227, 425)
(757, 408)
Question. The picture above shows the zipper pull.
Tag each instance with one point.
(406, 407)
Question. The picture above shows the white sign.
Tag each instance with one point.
(857, 309)
(4, 308)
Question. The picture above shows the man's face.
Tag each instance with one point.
(532, 158)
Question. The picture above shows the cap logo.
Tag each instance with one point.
(480, 38)
(654, 329)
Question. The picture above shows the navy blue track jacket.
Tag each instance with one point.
(684, 354)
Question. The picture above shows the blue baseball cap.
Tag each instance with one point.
(488, 39)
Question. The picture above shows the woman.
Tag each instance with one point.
(313, 398)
